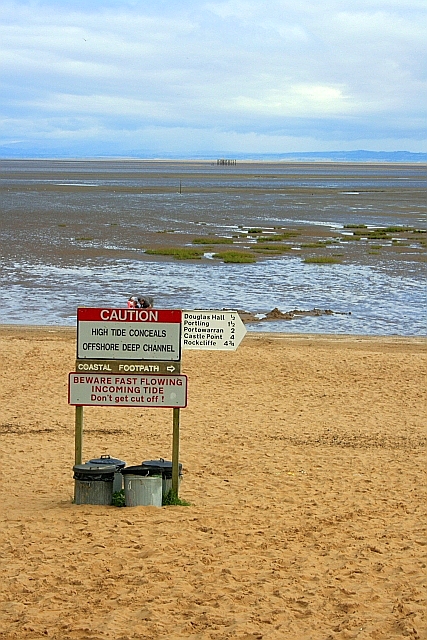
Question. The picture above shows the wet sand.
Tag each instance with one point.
(304, 462)
(137, 206)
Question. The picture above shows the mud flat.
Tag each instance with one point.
(350, 237)
(304, 463)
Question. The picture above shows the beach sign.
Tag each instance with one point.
(128, 334)
(117, 390)
(212, 330)
(160, 367)
(117, 355)
(128, 358)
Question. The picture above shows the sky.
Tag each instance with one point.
(214, 78)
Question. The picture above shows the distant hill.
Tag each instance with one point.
(340, 156)
(312, 156)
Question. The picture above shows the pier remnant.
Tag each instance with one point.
(226, 161)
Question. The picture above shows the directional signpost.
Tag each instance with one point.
(132, 358)
(212, 330)
(128, 358)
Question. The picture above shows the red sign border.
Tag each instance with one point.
(94, 314)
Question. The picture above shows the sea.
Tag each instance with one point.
(75, 233)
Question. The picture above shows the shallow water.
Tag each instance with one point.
(73, 233)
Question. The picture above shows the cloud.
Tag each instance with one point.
(252, 71)
(296, 100)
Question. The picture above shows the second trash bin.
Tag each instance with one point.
(119, 464)
(164, 468)
(143, 487)
(93, 483)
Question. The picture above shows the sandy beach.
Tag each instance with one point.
(304, 462)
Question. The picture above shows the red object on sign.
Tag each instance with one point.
(128, 315)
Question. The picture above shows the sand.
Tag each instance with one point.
(305, 464)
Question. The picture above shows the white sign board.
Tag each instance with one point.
(99, 390)
(128, 334)
(212, 330)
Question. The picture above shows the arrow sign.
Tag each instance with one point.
(127, 366)
(212, 330)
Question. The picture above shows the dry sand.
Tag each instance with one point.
(305, 463)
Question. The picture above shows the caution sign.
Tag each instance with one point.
(127, 391)
(128, 334)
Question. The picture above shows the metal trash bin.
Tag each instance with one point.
(119, 464)
(142, 487)
(93, 483)
(163, 467)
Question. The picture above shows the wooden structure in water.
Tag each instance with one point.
(226, 161)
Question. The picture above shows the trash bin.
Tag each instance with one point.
(119, 464)
(93, 483)
(163, 467)
(143, 487)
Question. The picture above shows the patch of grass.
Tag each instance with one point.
(314, 245)
(278, 237)
(172, 499)
(348, 238)
(376, 247)
(378, 236)
(269, 239)
(119, 498)
(254, 230)
(355, 226)
(235, 256)
(62, 225)
(178, 254)
(213, 240)
(397, 229)
(267, 248)
(393, 229)
(321, 260)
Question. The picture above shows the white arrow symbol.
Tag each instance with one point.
(171, 368)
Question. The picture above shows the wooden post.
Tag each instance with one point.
(78, 435)
(175, 452)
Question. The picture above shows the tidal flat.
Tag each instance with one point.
(286, 235)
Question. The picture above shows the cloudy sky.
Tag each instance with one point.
(117, 77)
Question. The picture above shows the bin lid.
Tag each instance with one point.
(161, 466)
(140, 470)
(94, 469)
(106, 459)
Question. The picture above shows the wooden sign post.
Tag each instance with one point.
(78, 449)
(132, 358)
(128, 358)
(175, 452)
